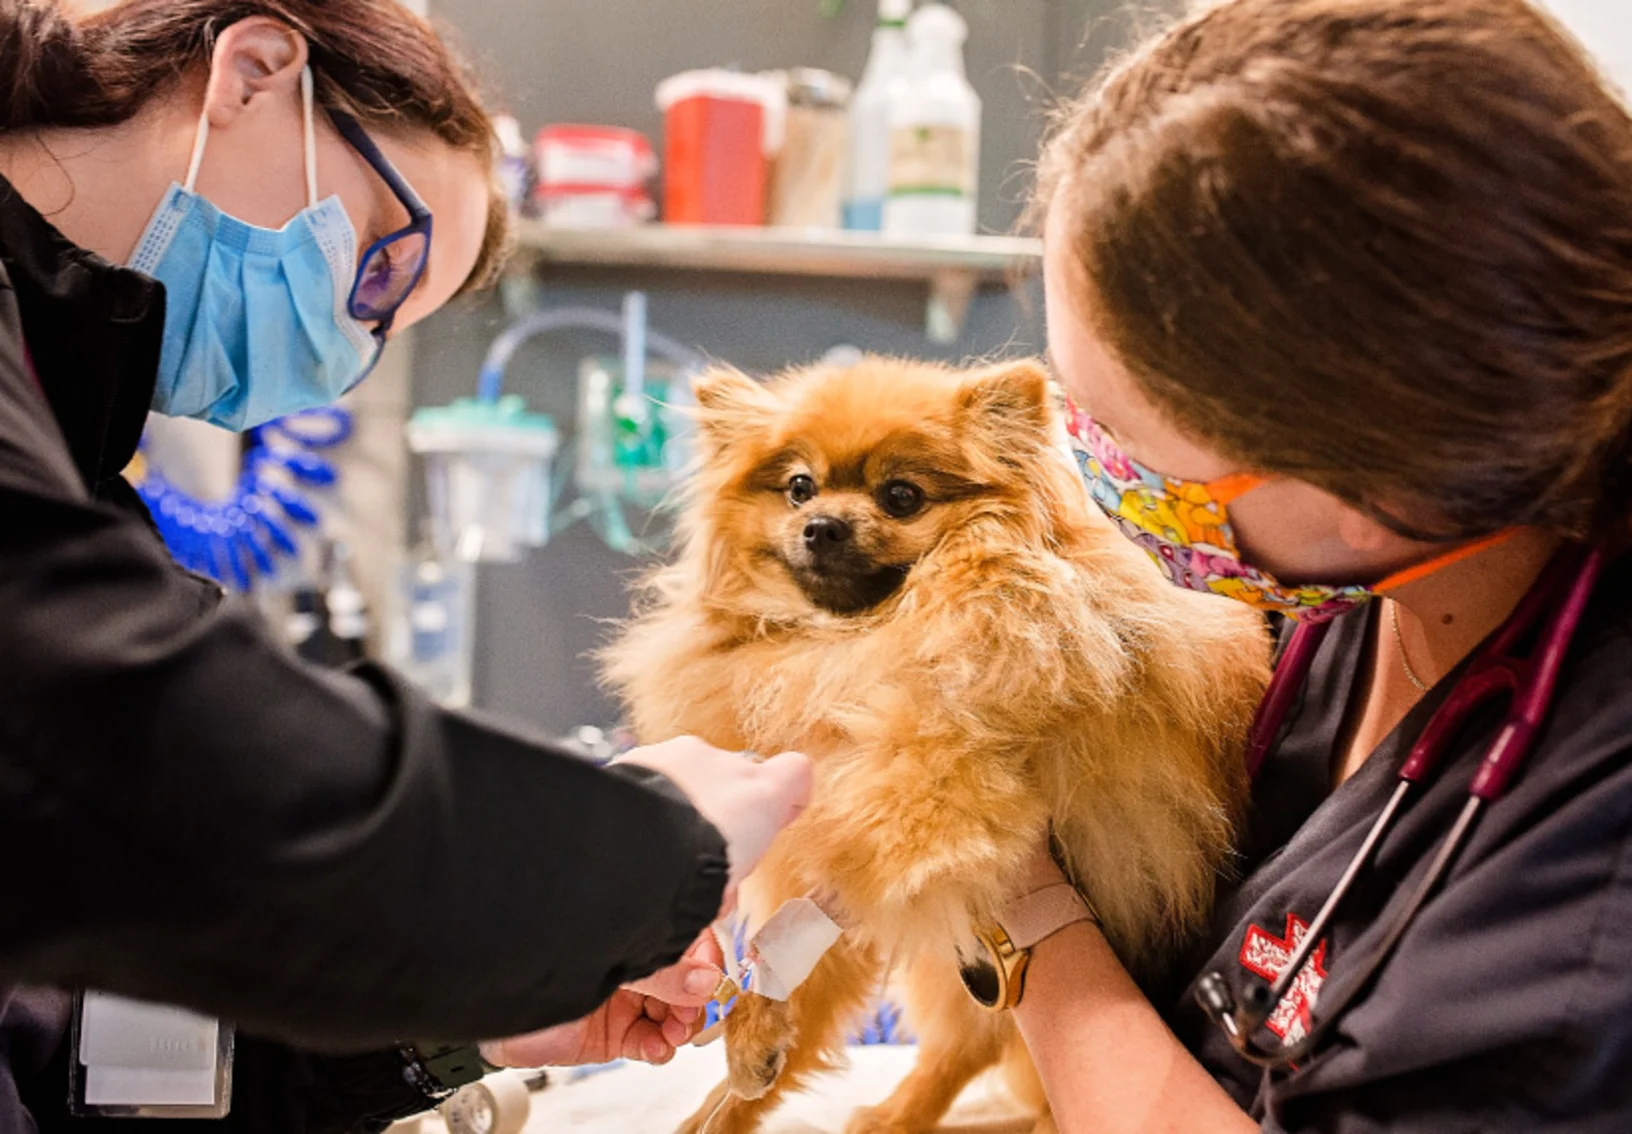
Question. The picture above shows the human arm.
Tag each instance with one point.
(1107, 1061)
(325, 858)
(648, 1019)
(645, 1021)
(329, 860)
(1504, 1007)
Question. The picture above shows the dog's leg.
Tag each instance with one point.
(773, 1046)
(956, 1042)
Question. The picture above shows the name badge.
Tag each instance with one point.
(133, 1059)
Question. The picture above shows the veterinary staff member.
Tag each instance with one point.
(1354, 277)
(186, 813)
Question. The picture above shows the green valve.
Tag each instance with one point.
(638, 433)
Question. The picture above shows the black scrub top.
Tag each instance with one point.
(1507, 1006)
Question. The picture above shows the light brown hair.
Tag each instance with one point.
(1384, 246)
(373, 58)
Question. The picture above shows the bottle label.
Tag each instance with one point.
(932, 161)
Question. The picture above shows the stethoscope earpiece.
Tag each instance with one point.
(1217, 1001)
(1237, 1018)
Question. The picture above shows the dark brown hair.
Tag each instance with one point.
(1384, 246)
(373, 58)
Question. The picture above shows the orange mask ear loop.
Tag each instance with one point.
(1232, 487)
(1455, 555)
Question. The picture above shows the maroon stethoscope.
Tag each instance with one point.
(1519, 662)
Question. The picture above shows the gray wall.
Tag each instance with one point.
(599, 61)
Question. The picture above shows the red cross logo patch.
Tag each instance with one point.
(1267, 956)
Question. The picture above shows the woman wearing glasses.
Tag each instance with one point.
(221, 209)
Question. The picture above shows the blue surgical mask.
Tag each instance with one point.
(256, 322)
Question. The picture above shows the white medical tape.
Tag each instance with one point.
(789, 946)
(781, 956)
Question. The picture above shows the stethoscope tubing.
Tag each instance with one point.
(1494, 670)
(1317, 928)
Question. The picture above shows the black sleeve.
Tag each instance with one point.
(189, 814)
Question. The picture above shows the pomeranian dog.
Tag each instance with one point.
(894, 568)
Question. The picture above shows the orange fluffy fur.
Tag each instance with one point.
(1012, 662)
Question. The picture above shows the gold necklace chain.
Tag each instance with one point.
(1399, 642)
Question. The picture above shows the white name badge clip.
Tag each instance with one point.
(136, 1060)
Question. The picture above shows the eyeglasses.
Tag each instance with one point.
(392, 266)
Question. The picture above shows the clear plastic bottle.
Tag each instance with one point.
(432, 646)
(883, 84)
(934, 134)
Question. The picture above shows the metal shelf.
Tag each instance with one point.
(952, 268)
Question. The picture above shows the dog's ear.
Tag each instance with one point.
(730, 405)
(1011, 395)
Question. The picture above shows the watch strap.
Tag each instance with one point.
(1043, 913)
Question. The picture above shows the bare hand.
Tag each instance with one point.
(628, 1026)
(748, 800)
(646, 1020)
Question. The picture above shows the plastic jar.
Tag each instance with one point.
(487, 475)
(720, 128)
(593, 176)
(603, 156)
(807, 185)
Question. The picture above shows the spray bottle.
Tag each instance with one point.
(934, 134)
(883, 84)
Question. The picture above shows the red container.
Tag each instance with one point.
(719, 129)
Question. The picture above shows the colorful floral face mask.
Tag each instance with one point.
(1184, 525)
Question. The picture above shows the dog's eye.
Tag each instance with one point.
(901, 499)
(800, 489)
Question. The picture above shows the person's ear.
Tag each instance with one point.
(257, 60)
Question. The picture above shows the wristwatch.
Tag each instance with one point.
(996, 975)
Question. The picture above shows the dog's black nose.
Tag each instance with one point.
(826, 534)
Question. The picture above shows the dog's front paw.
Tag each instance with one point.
(754, 1074)
(757, 1037)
